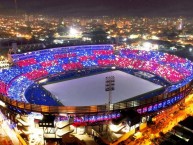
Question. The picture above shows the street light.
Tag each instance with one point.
(109, 87)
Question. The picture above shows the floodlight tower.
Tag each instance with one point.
(109, 87)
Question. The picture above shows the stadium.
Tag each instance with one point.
(70, 84)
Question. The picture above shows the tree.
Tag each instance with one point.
(99, 36)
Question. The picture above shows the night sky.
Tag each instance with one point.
(100, 7)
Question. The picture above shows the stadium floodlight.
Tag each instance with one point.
(109, 86)
(73, 32)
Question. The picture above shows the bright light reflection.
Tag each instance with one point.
(147, 46)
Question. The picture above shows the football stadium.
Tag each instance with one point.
(91, 85)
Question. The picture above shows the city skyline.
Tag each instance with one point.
(98, 8)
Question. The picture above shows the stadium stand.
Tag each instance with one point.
(30, 67)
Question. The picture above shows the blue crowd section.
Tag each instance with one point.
(18, 87)
(63, 61)
(43, 58)
(54, 69)
(36, 94)
(87, 53)
(89, 63)
(6, 75)
(32, 66)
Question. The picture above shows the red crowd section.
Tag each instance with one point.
(3, 87)
(35, 74)
(26, 62)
